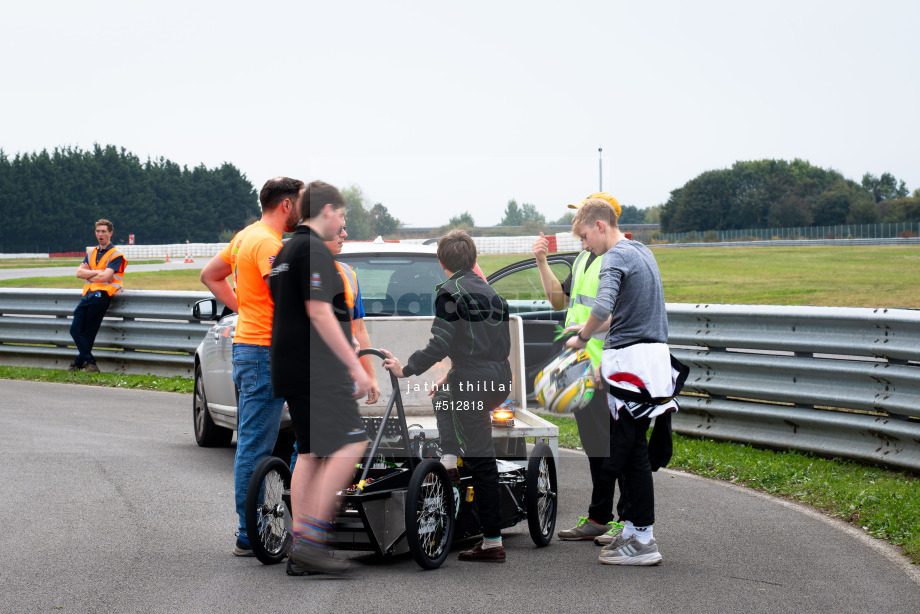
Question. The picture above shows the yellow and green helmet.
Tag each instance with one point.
(567, 383)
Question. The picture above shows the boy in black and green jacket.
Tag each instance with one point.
(471, 327)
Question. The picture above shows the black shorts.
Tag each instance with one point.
(326, 419)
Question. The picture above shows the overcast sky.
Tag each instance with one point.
(434, 108)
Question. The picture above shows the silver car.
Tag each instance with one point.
(397, 280)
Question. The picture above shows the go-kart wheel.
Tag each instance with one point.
(268, 520)
(540, 494)
(430, 514)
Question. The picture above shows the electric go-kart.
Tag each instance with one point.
(402, 499)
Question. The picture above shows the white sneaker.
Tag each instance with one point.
(632, 552)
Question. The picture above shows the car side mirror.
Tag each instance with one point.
(206, 310)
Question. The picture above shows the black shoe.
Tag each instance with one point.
(319, 559)
(242, 548)
(297, 569)
(483, 555)
(74, 367)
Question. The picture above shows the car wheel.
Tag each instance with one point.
(540, 495)
(207, 434)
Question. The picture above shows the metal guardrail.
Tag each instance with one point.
(143, 332)
(883, 230)
(834, 381)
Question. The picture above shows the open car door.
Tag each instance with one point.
(520, 285)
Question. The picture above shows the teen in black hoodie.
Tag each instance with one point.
(471, 327)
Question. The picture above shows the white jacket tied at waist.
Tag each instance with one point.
(640, 369)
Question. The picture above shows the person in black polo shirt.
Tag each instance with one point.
(471, 327)
(320, 380)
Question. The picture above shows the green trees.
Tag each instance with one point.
(905, 209)
(366, 224)
(526, 214)
(652, 215)
(50, 200)
(464, 219)
(382, 221)
(357, 218)
(775, 193)
(701, 204)
(631, 215)
(513, 215)
(885, 187)
(566, 218)
(839, 204)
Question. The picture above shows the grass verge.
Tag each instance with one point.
(34, 263)
(885, 503)
(181, 279)
(875, 276)
(112, 380)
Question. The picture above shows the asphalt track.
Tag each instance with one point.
(109, 506)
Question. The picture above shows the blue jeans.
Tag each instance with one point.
(87, 318)
(260, 418)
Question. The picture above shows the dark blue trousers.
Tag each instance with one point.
(87, 318)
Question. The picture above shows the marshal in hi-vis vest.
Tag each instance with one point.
(585, 281)
(113, 286)
(351, 289)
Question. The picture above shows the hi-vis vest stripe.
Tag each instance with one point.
(585, 281)
(351, 289)
(113, 286)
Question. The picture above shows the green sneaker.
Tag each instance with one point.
(615, 528)
(583, 530)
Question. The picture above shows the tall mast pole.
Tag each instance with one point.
(600, 170)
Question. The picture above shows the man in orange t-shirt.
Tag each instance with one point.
(249, 257)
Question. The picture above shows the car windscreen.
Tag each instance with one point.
(401, 285)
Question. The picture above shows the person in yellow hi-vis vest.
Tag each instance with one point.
(577, 294)
(102, 272)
